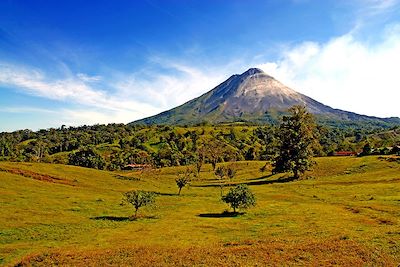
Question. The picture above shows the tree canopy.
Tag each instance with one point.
(240, 197)
(138, 199)
(296, 137)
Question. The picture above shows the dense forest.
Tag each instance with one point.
(115, 146)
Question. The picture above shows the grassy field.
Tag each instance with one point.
(346, 213)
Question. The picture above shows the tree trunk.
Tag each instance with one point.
(136, 209)
(296, 174)
(198, 165)
(179, 192)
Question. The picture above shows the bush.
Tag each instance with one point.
(138, 199)
(240, 197)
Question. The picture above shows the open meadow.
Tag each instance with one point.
(347, 212)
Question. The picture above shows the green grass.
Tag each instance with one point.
(348, 209)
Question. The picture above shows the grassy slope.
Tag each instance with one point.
(348, 212)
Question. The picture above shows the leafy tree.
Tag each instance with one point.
(183, 179)
(87, 157)
(214, 149)
(267, 136)
(220, 173)
(239, 197)
(201, 154)
(367, 150)
(224, 172)
(138, 199)
(296, 138)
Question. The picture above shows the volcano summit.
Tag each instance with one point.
(252, 96)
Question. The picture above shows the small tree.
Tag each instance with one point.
(239, 197)
(201, 152)
(139, 198)
(367, 150)
(214, 150)
(183, 179)
(224, 172)
(230, 172)
(220, 172)
(264, 167)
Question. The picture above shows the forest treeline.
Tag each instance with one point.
(114, 146)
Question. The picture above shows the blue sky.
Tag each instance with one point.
(85, 62)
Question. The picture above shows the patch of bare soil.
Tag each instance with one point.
(38, 176)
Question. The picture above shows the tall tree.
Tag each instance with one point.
(296, 138)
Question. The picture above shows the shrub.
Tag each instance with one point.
(239, 197)
(138, 199)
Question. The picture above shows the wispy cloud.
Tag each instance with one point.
(345, 73)
(86, 78)
(17, 109)
(72, 90)
(378, 6)
(178, 84)
(129, 96)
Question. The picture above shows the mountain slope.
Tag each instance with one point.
(252, 96)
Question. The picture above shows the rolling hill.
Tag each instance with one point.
(346, 213)
(257, 97)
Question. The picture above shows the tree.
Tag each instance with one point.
(267, 136)
(87, 157)
(201, 153)
(296, 139)
(239, 197)
(367, 150)
(220, 173)
(223, 172)
(183, 179)
(214, 150)
(138, 199)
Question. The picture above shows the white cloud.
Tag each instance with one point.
(182, 84)
(345, 73)
(86, 78)
(76, 117)
(378, 6)
(75, 91)
(16, 109)
(129, 96)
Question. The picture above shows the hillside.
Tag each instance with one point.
(256, 97)
(347, 213)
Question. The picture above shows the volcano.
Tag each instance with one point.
(254, 97)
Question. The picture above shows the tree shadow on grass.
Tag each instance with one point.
(220, 215)
(277, 181)
(261, 178)
(255, 181)
(111, 218)
(123, 219)
(165, 194)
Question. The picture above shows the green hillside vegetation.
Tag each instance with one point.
(160, 146)
(345, 213)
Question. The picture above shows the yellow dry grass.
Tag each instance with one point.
(346, 213)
